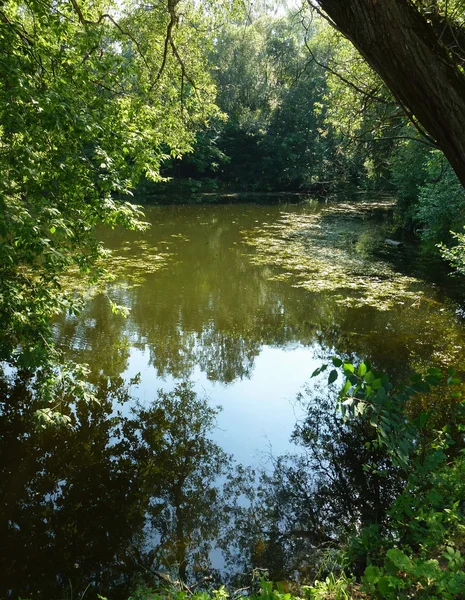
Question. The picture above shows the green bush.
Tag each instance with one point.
(417, 552)
(441, 202)
(408, 174)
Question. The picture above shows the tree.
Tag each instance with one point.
(91, 97)
(275, 136)
(419, 60)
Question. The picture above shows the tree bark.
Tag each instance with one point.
(404, 49)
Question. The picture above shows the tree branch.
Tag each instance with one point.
(123, 32)
(168, 39)
(430, 141)
(358, 89)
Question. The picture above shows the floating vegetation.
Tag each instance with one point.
(126, 267)
(133, 261)
(332, 251)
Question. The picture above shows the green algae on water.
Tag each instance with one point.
(126, 267)
(332, 251)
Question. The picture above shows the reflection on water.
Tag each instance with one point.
(244, 301)
(228, 288)
(117, 501)
(114, 497)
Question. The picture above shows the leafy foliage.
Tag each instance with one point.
(441, 203)
(91, 99)
(275, 136)
(418, 548)
(330, 589)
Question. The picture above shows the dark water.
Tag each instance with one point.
(230, 307)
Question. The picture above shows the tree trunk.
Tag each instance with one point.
(405, 51)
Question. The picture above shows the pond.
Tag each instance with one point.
(231, 308)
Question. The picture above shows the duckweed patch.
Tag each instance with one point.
(134, 261)
(127, 267)
(332, 251)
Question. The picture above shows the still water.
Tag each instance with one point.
(232, 307)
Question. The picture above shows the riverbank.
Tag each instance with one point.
(212, 191)
(331, 588)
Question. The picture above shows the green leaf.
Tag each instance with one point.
(421, 387)
(422, 419)
(332, 376)
(345, 389)
(387, 586)
(369, 377)
(362, 369)
(320, 370)
(372, 574)
(435, 372)
(401, 560)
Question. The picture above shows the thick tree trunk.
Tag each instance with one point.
(406, 52)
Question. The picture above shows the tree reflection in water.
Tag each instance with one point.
(110, 502)
(314, 499)
(180, 469)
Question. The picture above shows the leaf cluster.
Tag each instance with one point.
(418, 549)
(90, 100)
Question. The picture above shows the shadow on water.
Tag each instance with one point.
(111, 501)
(140, 487)
(119, 502)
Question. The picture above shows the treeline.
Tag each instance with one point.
(273, 133)
(301, 111)
(207, 98)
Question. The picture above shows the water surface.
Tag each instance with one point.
(243, 302)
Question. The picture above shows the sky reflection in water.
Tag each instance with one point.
(121, 495)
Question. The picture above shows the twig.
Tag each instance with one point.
(203, 580)
(174, 20)
(243, 589)
(409, 114)
(85, 591)
(366, 93)
(123, 32)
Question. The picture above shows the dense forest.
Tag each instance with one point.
(350, 110)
